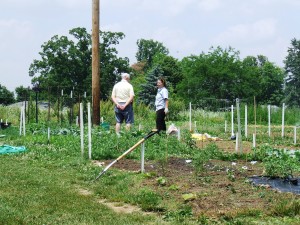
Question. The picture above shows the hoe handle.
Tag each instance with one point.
(150, 134)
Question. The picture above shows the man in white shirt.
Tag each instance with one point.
(122, 96)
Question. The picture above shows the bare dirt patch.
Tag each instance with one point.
(120, 207)
(218, 192)
(117, 207)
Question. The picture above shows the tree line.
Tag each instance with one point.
(65, 64)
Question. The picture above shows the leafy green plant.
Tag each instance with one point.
(185, 211)
(199, 161)
(230, 175)
(286, 208)
(161, 181)
(279, 163)
(148, 200)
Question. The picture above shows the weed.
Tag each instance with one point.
(262, 194)
(185, 211)
(230, 175)
(161, 181)
(174, 187)
(149, 200)
(286, 208)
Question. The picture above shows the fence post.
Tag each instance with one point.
(143, 157)
(239, 125)
(232, 129)
(246, 121)
(282, 127)
(295, 135)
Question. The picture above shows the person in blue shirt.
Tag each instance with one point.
(161, 104)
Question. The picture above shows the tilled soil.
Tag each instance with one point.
(223, 189)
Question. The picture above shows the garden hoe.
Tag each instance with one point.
(150, 134)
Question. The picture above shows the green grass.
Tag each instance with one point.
(44, 184)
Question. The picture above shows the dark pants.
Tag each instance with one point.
(160, 120)
(126, 114)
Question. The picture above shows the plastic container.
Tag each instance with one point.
(105, 125)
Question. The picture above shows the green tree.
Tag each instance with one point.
(111, 66)
(66, 63)
(271, 85)
(171, 69)
(292, 70)
(22, 94)
(147, 49)
(6, 97)
(220, 74)
(214, 75)
(265, 80)
(149, 90)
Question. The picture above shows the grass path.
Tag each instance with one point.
(39, 192)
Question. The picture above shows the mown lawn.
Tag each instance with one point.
(53, 184)
(42, 186)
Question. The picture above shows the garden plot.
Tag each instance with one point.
(223, 189)
(184, 182)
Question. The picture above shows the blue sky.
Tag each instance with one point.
(185, 27)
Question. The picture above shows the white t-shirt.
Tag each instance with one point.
(160, 99)
(122, 91)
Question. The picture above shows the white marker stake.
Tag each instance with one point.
(23, 119)
(143, 157)
(295, 135)
(190, 117)
(246, 121)
(282, 130)
(48, 135)
(269, 120)
(236, 142)
(239, 126)
(89, 131)
(81, 129)
(77, 121)
(232, 129)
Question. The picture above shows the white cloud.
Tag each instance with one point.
(176, 41)
(12, 31)
(17, 38)
(163, 8)
(73, 4)
(248, 33)
(114, 27)
(209, 5)
(55, 3)
(184, 26)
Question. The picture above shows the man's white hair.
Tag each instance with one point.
(125, 75)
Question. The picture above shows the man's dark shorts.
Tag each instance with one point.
(126, 114)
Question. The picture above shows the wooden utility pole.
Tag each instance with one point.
(95, 64)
